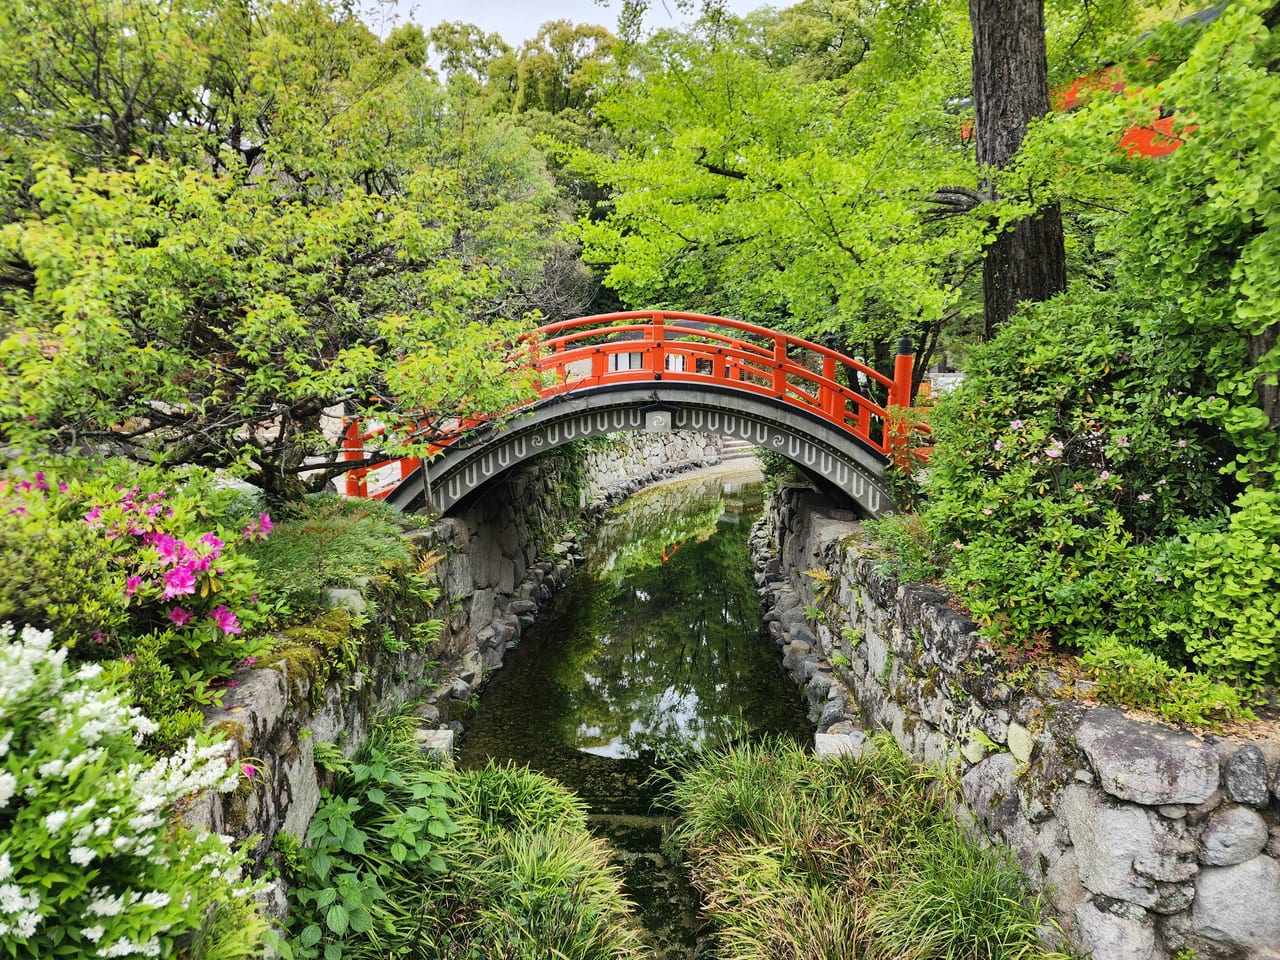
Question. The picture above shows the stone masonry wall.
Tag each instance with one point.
(1147, 839)
(498, 564)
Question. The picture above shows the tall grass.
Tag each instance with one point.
(504, 866)
(802, 859)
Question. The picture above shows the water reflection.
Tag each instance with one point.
(656, 646)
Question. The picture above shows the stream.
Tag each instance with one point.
(654, 650)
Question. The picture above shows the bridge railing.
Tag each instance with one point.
(669, 346)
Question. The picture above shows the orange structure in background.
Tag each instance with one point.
(1157, 138)
(650, 346)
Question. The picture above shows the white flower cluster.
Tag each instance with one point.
(75, 791)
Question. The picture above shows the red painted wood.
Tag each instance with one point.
(669, 346)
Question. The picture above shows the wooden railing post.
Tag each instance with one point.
(780, 367)
(898, 430)
(353, 449)
(657, 333)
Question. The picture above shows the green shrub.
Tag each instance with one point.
(152, 682)
(1071, 480)
(409, 858)
(1227, 593)
(325, 542)
(1138, 678)
(908, 551)
(802, 858)
(92, 858)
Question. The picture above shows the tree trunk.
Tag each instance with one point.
(1010, 89)
(1268, 393)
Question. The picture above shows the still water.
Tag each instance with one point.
(653, 650)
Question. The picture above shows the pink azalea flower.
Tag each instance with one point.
(249, 770)
(167, 547)
(180, 617)
(214, 544)
(1105, 475)
(131, 586)
(225, 619)
(1015, 425)
(92, 517)
(41, 482)
(62, 486)
(178, 581)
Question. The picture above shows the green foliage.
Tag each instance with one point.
(1105, 477)
(1134, 677)
(1070, 478)
(372, 845)
(153, 682)
(908, 551)
(314, 223)
(1227, 580)
(494, 864)
(764, 169)
(120, 553)
(93, 855)
(802, 858)
(329, 541)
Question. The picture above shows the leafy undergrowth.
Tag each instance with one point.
(409, 858)
(173, 581)
(803, 859)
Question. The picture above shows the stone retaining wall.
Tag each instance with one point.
(496, 565)
(1148, 840)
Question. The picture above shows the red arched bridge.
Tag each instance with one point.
(660, 371)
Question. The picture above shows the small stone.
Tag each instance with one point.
(1233, 835)
(347, 599)
(1198, 813)
(436, 743)
(831, 715)
(1108, 839)
(1109, 936)
(973, 750)
(1246, 777)
(1173, 897)
(1020, 742)
(1173, 811)
(427, 713)
(840, 745)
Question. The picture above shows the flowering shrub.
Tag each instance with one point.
(106, 562)
(91, 862)
(1082, 497)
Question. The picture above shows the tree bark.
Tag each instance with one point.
(1010, 89)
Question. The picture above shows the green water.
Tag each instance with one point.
(655, 649)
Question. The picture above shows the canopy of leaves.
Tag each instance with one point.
(780, 167)
(225, 221)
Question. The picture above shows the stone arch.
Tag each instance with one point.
(824, 452)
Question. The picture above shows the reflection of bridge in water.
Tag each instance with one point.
(662, 371)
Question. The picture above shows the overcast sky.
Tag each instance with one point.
(518, 20)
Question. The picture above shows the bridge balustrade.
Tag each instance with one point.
(675, 347)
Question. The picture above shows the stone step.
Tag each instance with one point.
(735, 449)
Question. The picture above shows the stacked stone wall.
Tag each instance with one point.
(496, 566)
(1148, 840)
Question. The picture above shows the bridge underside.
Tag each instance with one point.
(819, 449)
